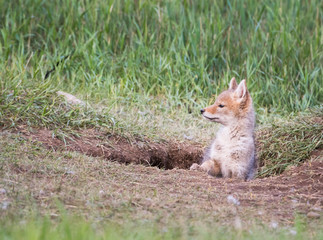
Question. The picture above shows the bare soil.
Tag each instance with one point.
(298, 190)
(166, 155)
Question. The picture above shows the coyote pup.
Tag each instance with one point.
(232, 152)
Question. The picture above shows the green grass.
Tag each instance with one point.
(41, 106)
(282, 141)
(173, 53)
(147, 67)
(163, 60)
(68, 228)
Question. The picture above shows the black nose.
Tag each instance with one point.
(202, 111)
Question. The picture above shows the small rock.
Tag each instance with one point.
(148, 202)
(3, 191)
(69, 171)
(54, 215)
(71, 99)
(314, 208)
(188, 137)
(293, 232)
(313, 215)
(295, 203)
(195, 166)
(231, 199)
(4, 205)
(274, 224)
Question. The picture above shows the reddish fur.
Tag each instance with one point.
(232, 152)
(227, 98)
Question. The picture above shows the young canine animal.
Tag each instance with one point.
(232, 152)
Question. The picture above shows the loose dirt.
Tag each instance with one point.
(166, 155)
(298, 190)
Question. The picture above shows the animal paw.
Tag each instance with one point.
(195, 167)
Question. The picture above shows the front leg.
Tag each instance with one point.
(210, 166)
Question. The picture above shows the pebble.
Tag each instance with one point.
(188, 137)
(313, 215)
(231, 199)
(316, 209)
(69, 171)
(71, 99)
(4, 205)
(274, 224)
(293, 232)
(101, 192)
(260, 212)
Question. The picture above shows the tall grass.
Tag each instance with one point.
(178, 52)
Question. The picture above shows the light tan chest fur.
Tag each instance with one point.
(233, 149)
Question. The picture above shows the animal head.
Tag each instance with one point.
(231, 105)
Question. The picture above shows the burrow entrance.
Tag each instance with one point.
(163, 154)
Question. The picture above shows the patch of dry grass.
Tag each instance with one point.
(288, 142)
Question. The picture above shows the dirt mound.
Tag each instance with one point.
(303, 184)
(167, 155)
(299, 190)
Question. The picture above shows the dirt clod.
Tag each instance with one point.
(313, 215)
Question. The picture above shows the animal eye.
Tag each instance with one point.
(221, 106)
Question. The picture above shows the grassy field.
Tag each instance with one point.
(145, 68)
(173, 54)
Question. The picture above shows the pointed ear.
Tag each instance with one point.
(241, 91)
(233, 84)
